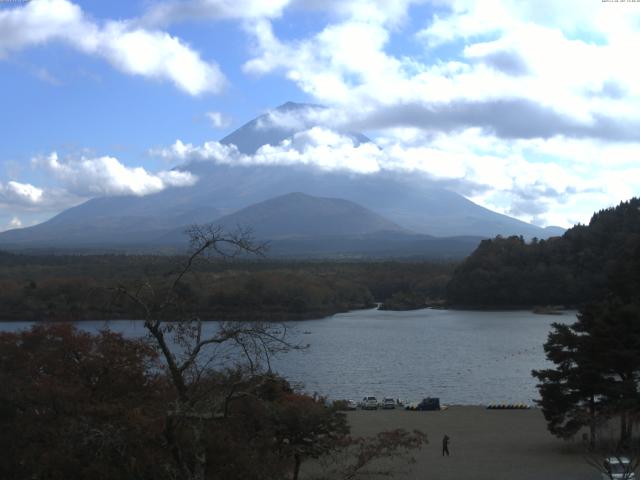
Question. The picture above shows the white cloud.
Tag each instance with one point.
(533, 74)
(509, 178)
(214, 151)
(330, 65)
(131, 49)
(473, 18)
(319, 147)
(15, 223)
(218, 119)
(23, 194)
(533, 111)
(29, 199)
(73, 181)
(106, 176)
(158, 54)
(322, 148)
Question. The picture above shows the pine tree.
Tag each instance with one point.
(571, 392)
(597, 370)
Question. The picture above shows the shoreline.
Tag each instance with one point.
(317, 315)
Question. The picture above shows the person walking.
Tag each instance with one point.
(445, 445)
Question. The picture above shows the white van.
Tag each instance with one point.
(369, 403)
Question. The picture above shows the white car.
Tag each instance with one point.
(351, 405)
(618, 468)
(388, 403)
(369, 403)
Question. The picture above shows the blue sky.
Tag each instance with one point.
(530, 110)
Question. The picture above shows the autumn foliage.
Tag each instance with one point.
(75, 405)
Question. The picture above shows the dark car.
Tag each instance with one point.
(429, 404)
(388, 403)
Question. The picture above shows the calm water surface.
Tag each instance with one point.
(463, 357)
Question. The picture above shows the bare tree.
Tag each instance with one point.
(190, 349)
(209, 367)
(383, 455)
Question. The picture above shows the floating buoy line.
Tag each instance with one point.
(508, 406)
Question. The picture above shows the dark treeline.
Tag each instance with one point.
(50, 287)
(584, 264)
(596, 374)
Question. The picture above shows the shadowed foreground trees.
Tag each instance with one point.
(198, 354)
(191, 354)
(190, 402)
(597, 371)
(75, 405)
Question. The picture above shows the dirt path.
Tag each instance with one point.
(485, 444)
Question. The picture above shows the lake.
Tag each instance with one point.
(463, 357)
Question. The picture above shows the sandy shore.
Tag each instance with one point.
(485, 444)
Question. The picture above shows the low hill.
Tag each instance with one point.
(581, 266)
(298, 215)
(300, 225)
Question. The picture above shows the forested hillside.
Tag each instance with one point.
(81, 287)
(579, 267)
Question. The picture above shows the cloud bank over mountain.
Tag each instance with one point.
(446, 160)
(528, 109)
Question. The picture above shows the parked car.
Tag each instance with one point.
(429, 403)
(388, 403)
(351, 405)
(618, 468)
(369, 403)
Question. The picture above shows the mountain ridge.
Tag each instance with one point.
(260, 131)
(412, 202)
